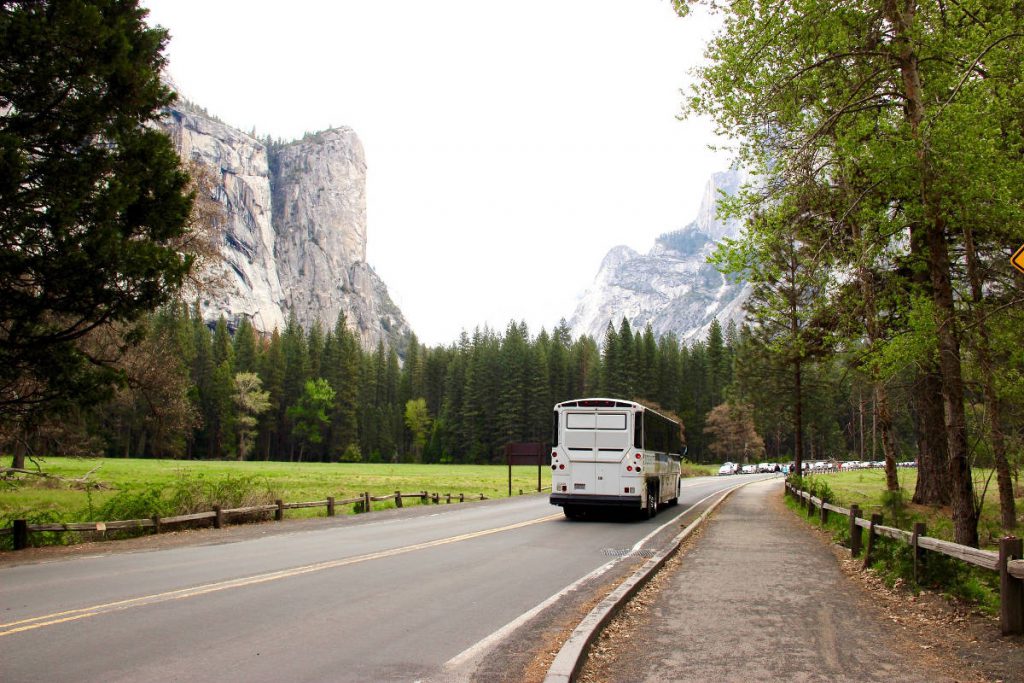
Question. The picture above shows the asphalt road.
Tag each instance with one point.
(413, 595)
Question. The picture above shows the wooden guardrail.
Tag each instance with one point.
(1009, 561)
(20, 529)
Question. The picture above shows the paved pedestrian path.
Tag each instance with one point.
(759, 598)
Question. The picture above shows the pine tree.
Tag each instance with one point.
(245, 347)
(92, 195)
(271, 371)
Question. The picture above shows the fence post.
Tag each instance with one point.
(919, 530)
(156, 524)
(218, 517)
(876, 520)
(368, 504)
(824, 513)
(1011, 589)
(398, 499)
(462, 497)
(448, 499)
(330, 506)
(279, 512)
(810, 505)
(855, 531)
(20, 534)
(424, 499)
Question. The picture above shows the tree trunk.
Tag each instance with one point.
(931, 227)
(965, 512)
(798, 416)
(993, 412)
(18, 461)
(892, 482)
(932, 475)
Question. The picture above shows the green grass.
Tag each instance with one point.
(291, 482)
(866, 488)
(893, 560)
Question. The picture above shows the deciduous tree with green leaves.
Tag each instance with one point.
(920, 106)
(309, 416)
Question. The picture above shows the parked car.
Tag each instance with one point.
(765, 467)
(729, 468)
(749, 469)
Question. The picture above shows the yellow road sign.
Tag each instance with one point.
(1018, 259)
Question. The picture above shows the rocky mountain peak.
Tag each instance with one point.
(672, 287)
(295, 229)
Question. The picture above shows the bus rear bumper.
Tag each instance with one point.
(594, 501)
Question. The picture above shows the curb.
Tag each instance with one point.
(570, 658)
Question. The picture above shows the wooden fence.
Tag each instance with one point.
(21, 529)
(1009, 561)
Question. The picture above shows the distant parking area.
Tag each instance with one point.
(809, 466)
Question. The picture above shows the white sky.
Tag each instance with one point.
(509, 145)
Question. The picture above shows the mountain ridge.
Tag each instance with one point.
(672, 287)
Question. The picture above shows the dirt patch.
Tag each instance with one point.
(959, 639)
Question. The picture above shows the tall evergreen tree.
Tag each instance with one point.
(92, 195)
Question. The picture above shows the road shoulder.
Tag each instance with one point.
(760, 595)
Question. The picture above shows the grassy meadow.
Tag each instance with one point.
(866, 488)
(54, 500)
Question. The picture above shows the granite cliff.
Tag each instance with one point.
(294, 231)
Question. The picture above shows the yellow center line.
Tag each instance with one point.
(96, 610)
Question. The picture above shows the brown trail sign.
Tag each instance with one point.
(527, 453)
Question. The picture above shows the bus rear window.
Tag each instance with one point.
(603, 421)
(616, 421)
(580, 421)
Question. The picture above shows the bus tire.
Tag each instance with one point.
(652, 502)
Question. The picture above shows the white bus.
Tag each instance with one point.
(612, 453)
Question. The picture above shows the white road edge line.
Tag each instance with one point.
(475, 652)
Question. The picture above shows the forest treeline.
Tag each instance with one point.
(316, 395)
